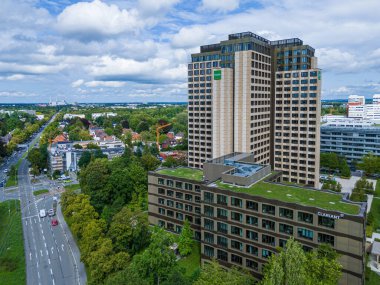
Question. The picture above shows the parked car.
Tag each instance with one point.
(54, 222)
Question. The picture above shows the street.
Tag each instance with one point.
(50, 251)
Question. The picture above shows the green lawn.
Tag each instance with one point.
(39, 192)
(192, 262)
(183, 172)
(12, 257)
(374, 279)
(72, 187)
(303, 196)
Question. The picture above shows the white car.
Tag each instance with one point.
(42, 213)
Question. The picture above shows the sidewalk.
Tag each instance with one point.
(74, 248)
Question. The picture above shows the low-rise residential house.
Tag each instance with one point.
(72, 116)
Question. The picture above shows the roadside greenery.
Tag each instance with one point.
(370, 164)
(12, 257)
(332, 185)
(373, 218)
(362, 187)
(39, 192)
(38, 158)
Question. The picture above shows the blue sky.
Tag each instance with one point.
(137, 50)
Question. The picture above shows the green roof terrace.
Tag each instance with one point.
(183, 172)
(276, 191)
(294, 194)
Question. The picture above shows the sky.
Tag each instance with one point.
(138, 50)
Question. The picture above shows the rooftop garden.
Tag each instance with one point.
(183, 172)
(302, 196)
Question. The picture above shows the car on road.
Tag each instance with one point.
(51, 213)
(54, 222)
(42, 213)
(5, 171)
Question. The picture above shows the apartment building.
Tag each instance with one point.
(238, 86)
(241, 213)
(350, 138)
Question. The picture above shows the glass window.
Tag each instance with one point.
(282, 242)
(326, 222)
(269, 225)
(251, 264)
(222, 241)
(286, 229)
(209, 224)
(236, 216)
(208, 197)
(269, 209)
(179, 195)
(169, 183)
(209, 211)
(222, 213)
(161, 191)
(236, 202)
(305, 217)
(252, 205)
(236, 259)
(286, 213)
(304, 233)
(236, 245)
(252, 220)
(161, 181)
(222, 255)
(222, 227)
(252, 235)
(221, 199)
(252, 249)
(236, 231)
(178, 184)
(266, 253)
(268, 240)
(209, 237)
(323, 238)
(208, 251)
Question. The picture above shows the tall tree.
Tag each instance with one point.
(185, 240)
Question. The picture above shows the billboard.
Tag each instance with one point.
(217, 74)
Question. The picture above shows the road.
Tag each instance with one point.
(51, 255)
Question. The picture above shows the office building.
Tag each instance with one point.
(364, 111)
(350, 138)
(356, 99)
(241, 213)
(241, 94)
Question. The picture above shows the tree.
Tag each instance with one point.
(293, 266)
(85, 159)
(149, 162)
(185, 241)
(370, 164)
(157, 260)
(213, 274)
(142, 126)
(92, 146)
(170, 162)
(287, 267)
(77, 146)
(129, 231)
(125, 124)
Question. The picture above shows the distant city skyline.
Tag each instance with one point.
(73, 51)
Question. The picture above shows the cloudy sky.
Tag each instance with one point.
(137, 50)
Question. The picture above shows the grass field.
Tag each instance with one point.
(72, 187)
(183, 172)
(12, 258)
(192, 262)
(39, 192)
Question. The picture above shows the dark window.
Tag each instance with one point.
(323, 238)
(208, 197)
(266, 253)
(252, 205)
(269, 209)
(286, 229)
(252, 249)
(305, 217)
(236, 259)
(169, 183)
(236, 231)
(161, 181)
(282, 242)
(222, 241)
(252, 235)
(178, 184)
(236, 217)
(269, 225)
(161, 191)
(286, 213)
(236, 245)
(268, 240)
(222, 227)
(252, 264)
(252, 220)
(209, 251)
(236, 202)
(209, 224)
(209, 237)
(222, 214)
(221, 199)
(326, 222)
(209, 211)
(222, 255)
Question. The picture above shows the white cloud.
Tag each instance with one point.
(10, 67)
(105, 83)
(93, 20)
(191, 37)
(77, 83)
(220, 5)
(13, 77)
(150, 71)
(337, 60)
(152, 7)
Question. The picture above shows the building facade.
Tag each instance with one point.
(351, 139)
(244, 225)
(240, 99)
